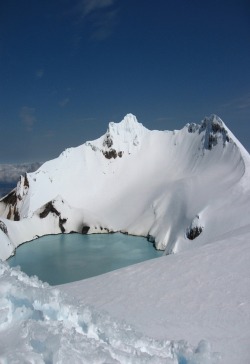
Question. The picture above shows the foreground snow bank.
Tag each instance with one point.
(200, 293)
(40, 324)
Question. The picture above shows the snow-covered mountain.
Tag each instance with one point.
(189, 190)
(181, 188)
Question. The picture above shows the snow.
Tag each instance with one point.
(162, 182)
(40, 324)
(190, 295)
(190, 307)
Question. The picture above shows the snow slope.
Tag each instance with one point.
(168, 186)
(194, 295)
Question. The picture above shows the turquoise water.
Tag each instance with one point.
(65, 258)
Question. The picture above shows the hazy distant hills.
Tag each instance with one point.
(10, 173)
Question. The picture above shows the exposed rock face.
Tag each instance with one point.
(10, 199)
(26, 182)
(108, 141)
(50, 209)
(3, 227)
(112, 153)
(214, 131)
(85, 229)
(195, 229)
(194, 232)
(107, 150)
(12, 203)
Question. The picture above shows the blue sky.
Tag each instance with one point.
(69, 67)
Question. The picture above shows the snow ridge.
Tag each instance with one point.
(120, 138)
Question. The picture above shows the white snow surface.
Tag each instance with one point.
(158, 184)
(194, 295)
(40, 324)
(192, 307)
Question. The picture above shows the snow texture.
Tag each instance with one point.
(42, 325)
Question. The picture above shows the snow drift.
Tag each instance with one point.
(181, 189)
(49, 327)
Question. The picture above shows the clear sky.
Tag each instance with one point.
(68, 67)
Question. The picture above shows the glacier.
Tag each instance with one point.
(188, 191)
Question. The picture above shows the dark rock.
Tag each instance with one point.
(85, 229)
(215, 131)
(110, 154)
(150, 238)
(3, 227)
(16, 215)
(194, 232)
(11, 198)
(192, 128)
(26, 182)
(108, 141)
(9, 214)
(216, 127)
(61, 223)
(212, 141)
(48, 208)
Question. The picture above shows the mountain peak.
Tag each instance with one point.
(215, 130)
(213, 123)
(129, 125)
(123, 136)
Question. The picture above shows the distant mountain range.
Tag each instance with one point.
(181, 189)
(10, 173)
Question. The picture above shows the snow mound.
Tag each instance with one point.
(40, 324)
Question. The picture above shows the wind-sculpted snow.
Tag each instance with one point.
(40, 324)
